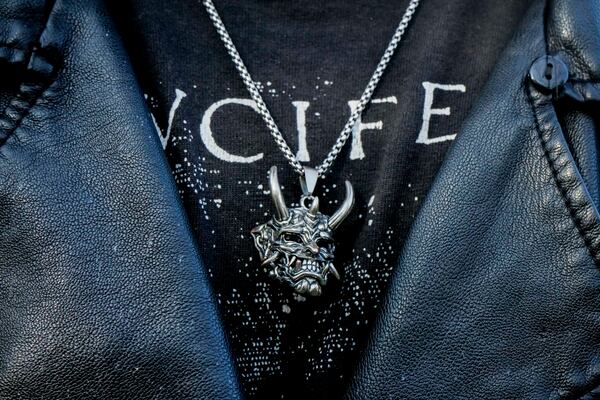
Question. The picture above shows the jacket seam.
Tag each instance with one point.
(41, 71)
(14, 49)
(561, 184)
(563, 188)
(583, 80)
(8, 46)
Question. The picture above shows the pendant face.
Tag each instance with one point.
(297, 243)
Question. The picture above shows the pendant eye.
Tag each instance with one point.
(291, 237)
(322, 242)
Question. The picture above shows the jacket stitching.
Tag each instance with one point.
(563, 186)
(41, 68)
(14, 49)
(583, 80)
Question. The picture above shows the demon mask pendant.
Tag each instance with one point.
(297, 243)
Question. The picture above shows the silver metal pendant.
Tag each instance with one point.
(297, 243)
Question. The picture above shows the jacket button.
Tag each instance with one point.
(549, 72)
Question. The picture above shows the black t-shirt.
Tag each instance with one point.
(313, 60)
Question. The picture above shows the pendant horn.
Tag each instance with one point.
(336, 219)
(314, 206)
(282, 211)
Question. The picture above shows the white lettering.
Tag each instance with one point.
(301, 107)
(164, 139)
(356, 150)
(428, 111)
(207, 137)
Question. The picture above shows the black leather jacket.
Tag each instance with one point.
(103, 294)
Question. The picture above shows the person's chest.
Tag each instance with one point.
(312, 62)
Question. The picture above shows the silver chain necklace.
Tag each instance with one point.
(297, 243)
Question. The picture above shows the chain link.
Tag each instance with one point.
(264, 111)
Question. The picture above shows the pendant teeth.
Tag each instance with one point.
(311, 265)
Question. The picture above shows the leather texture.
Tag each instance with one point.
(497, 292)
(102, 292)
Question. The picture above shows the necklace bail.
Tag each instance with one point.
(308, 181)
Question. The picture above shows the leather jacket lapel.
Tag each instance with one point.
(102, 292)
(497, 292)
